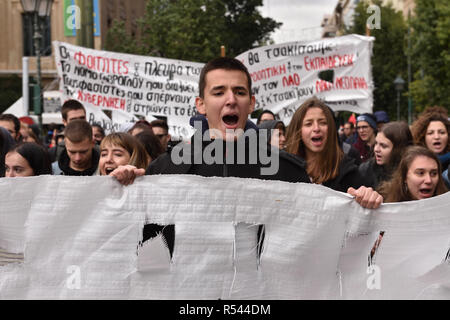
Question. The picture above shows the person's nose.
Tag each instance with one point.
(231, 97)
(427, 178)
(109, 158)
(316, 126)
(10, 174)
(376, 149)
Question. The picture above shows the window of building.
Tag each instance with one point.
(28, 34)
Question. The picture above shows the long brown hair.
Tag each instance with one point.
(399, 134)
(327, 165)
(395, 189)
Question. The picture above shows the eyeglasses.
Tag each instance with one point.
(362, 128)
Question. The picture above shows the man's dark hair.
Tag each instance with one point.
(11, 118)
(258, 121)
(70, 105)
(78, 130)
(352, 126)
(160, 124)
(141, 124)
(222, 63)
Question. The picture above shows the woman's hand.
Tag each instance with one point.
(366, 197)
(126, 174)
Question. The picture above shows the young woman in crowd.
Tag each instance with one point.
(27, 159)
(417, 177)
(431, 130)
(312, 135)
(390, 144)
(121, 149)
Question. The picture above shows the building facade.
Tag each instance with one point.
(16, 38)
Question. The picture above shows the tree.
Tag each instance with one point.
(118, 40)
(430, 54)
(389, 54)
(10, 91)
(194, 30)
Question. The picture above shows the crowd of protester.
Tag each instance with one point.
(400, 162)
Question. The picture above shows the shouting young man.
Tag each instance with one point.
(229, 145)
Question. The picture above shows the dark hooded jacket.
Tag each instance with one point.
(291, 168)
(373, 174)
(269, 126)
(6, 143)
(348, 176)
(62, 166)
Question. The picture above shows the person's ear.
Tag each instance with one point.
(252, 104)
(200, 105)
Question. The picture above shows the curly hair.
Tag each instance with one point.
(420, 126)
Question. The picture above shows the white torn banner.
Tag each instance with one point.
(81, 239)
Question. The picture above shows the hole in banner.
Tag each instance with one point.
(156, 249)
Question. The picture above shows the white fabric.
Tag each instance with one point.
(80, 239)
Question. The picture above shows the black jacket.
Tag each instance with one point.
(372, 173)
(62, 166)
(291, 168)
(6, 143)
(348, 176)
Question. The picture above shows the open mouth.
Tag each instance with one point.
(230, 120)
(426, 192)
(109, 170)
(317, 141)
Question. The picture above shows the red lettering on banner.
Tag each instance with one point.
(350, 83)
(342, 83)
(291, 80)
(268, 73)
(322, 85)
(330, 62)
(102, 101)
(102, 64)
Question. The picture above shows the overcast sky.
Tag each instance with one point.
(301, 18)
